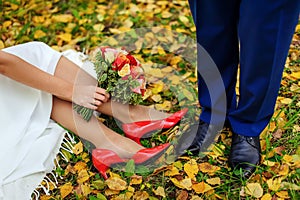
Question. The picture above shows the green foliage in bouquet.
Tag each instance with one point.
(120, 74)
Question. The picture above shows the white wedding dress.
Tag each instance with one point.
(29, 140)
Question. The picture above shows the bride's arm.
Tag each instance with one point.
(23, 72)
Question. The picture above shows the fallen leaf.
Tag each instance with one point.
(83, 176)
(136, 180)
(267, 196)
(166, 105)
(208, 168)
(80, 166)
(201, 187)
(289, 186)
(175, 80)
(274, 184)
(188, 94)
(283, 170)
(183, 184)
(78, 148)
(214, 181)
(86, 190)
(191, 168)
(141, 195)
(166, 14)
(110, 192)
(172, 172)
(39, 34)
(67, 37)
(160, 191)
(66, 189)
(185, 20)
(157, 87)
(183, 195)
(115, 183)
(254, 189)
(62, 18)
(156, 98)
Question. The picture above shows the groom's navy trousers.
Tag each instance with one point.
(252, 34)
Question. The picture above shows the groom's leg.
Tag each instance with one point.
(265, 31)
(216, 28)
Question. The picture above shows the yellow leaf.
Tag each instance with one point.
(287, 158)
(98, 27)
(46, 197)
(62, 18)
(286, 101)
(157, 87)
(147, 94)
(254, 189)
(156, 98)
(284, 170)
(83, 176)
(267, 196)
(156, 72)
(136, 180)
(184, 184)
(166, 105)
(167, 69)
(194, 197)
(191, 168)
(188, 94)
(160, 50)
(160, 191)
(201, 187)
(138, 45)
(166, 14)
(80, 166)
(78, 148)
(109, 192)
(296, 75)
(141, 195)
(174, 79)
(128, 23)
(6, 24)
(38, 19)
(67, 37)
(38, 34)
(208, 168)
(269, 163)
(274, 184)
(66, 189)
(214, 181)
(115, 183)
(172, 172)
(86, 190)
(283, 194)
(184, 20)
(1, 44)
(289, 186)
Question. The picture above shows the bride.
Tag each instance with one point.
(37, 88)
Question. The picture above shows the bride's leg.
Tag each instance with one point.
(125, 113)
(93, 131)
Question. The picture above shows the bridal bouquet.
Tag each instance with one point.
(120, 74)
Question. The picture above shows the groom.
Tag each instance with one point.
(255, 36)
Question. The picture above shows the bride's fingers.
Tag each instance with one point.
(101, 97)
(102, 91)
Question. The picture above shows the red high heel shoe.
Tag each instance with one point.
(138, 130)
(104, 158)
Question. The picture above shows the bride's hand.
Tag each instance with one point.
(89, 96)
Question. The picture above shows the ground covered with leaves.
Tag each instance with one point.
(161, 35)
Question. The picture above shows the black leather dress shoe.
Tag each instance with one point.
(197, 139)
(244, 154)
